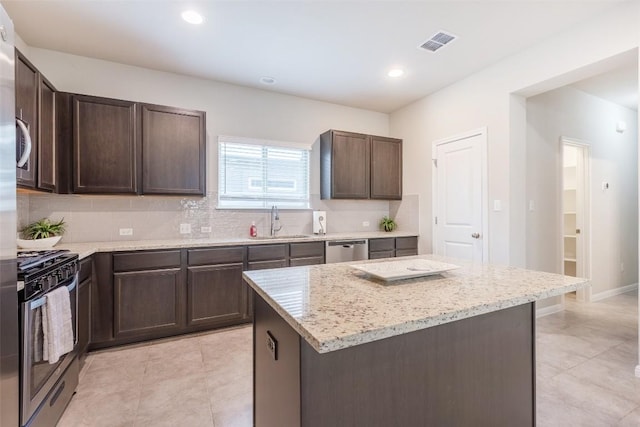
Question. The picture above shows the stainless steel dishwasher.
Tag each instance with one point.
(346, 250)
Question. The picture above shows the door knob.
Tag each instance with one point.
(476, 235)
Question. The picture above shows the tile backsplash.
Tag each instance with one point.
(100, 218)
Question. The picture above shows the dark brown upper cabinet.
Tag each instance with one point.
(105, 145)
(345, 160)
(358, 166)
(386, 168)
(125, 147)
(26, 81)
(36, 109)
(173, 150)
(47, 147)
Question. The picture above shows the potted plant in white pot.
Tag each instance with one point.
(41, 234)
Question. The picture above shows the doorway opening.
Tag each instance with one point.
(575, 212)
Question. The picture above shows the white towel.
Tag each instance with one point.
(57, 325)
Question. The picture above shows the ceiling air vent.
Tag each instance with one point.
(437, 41)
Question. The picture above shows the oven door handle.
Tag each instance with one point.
(40, 301)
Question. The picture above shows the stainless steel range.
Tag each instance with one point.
(45, 388)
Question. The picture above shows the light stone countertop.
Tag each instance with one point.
(87, 249)
(335, 306)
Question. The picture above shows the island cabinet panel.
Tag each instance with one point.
(105, 145)
(472, 372)
(26, 83)
(173, 150)
(386, 168)
(276, 371)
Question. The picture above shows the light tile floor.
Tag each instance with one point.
(586, 358)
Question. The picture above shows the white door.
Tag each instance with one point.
(459, 180)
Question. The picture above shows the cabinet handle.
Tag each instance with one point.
(27, 140)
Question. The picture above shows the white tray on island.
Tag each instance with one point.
(404, 269)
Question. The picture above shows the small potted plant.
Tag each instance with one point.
(41, 234)
(387, 224)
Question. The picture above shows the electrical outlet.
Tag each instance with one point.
(185, 228)
(365, 223)
(205, 229)
(126, 231)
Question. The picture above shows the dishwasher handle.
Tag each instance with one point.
(346, 243)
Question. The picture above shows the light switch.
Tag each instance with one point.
(497, 205)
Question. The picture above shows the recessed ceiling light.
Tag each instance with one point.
(192, 17)
(395, 72)
(267, 80)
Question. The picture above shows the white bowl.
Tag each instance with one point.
(49, 242)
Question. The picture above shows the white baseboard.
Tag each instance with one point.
(613, 292)
(545, 311)
(638, 371)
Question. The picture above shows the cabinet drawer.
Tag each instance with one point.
(226, 255)
(306, 249)
(267, 252)
(298, 262)
(406, 252)
(381, 244)
(381, 254)
(86, 267)
(146, 260)
(262, 265)
(406, 242)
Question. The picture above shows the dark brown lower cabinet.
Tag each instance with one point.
(217, 296)
(84, 317)
(147, 302)
(143, 295)
(389, 247)
(478, 371)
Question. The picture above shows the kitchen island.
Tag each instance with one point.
(335, 347)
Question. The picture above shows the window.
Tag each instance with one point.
(255, 174)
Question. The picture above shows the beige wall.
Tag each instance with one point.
(494, 98)
(231, 110)
(614, 159)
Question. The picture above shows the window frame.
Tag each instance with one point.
(264, 201)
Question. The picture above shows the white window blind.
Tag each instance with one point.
(255, 174)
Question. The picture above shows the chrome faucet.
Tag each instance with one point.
(275, 218)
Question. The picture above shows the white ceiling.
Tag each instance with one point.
(619, 85)
(336, 51)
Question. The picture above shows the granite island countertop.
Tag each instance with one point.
(86, 249)
(335, 306)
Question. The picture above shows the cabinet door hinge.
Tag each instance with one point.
(436, 219)
(435, 162)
